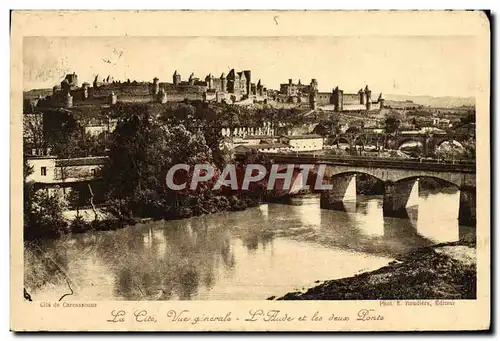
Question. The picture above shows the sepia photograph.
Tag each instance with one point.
(264, 168)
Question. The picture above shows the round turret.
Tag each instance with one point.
(112, 98)
(65, 85)
(156, 86)
(176, 78)
(68, 100)
(162, 96)
(381, 101)
(223, 82)
(362, 96)
(85, 90)
(313, 100)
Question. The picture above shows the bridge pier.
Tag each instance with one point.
(344, 189)
(467, 208)
(398, 196)
(425, 147)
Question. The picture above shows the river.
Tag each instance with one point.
(254, 254)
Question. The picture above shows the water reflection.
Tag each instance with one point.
(253, 254)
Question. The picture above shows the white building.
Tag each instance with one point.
(303, 143)
(52, 170)
(97, 127)
(60, 176)
(442, 123)
(44, 169)
(262, 148)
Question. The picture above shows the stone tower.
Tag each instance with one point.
(338, 99)
(381, 101)
(162, 96)
(314, 84)
(313, 101)
(156, 86)
(260, 89)
(232, 80)
(68, 100)
(313, 94)
(72, 79)
(368, 94)
(65, 87)
(362, 98)
(112, 98)
(209, 79)
(96, 82)
(85, 90)
(223, 83)
(176, 78)
(248, 76)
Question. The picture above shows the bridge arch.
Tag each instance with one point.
(330, 175)
(402, 142)
(447, 181)
(441, 142)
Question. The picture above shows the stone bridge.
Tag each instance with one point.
(400, 178)
(430, 142)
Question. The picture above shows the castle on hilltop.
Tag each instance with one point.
(236, 86)
(336, 100)
(362, 100)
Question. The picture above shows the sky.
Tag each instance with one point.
(438, 66)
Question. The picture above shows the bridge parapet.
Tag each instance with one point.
(430, 141)
(400, 180)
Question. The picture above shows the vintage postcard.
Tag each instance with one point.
(250, 171)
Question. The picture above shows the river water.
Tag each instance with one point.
(254, 254)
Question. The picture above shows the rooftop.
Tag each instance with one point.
(82, 161)
(264, 146)
(302, 137)
(252, 137)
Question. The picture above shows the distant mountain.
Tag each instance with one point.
(34, 93)
(435, 102)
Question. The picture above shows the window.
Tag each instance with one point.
(43, 171)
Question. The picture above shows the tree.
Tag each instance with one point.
(391, 124)
(142, 150)
(33, 133)
(28, 193)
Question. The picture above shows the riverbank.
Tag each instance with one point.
(107, 218)
(442, 271)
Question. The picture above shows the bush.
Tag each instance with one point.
(44, 216)
(79, 225)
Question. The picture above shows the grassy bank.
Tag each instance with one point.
(110, 218)
(443, 271)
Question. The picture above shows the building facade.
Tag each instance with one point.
(303, 143)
